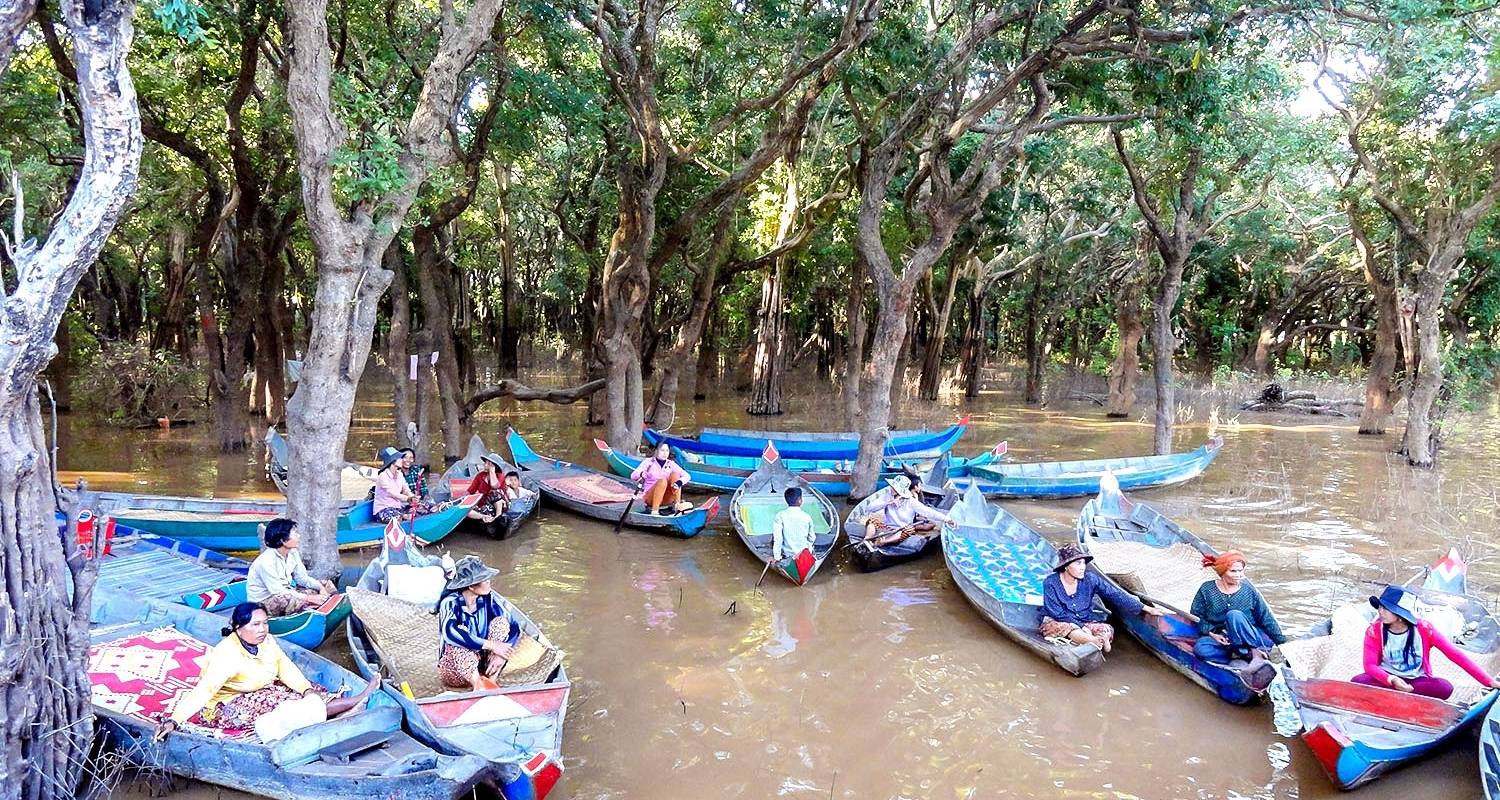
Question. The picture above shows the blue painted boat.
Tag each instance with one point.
(233, 531)
(1138, 549)
(716, 473)
(760, 498)
(460, 474)
(936, 491)
(519, 728)
(911, 444)
(1358, 732)
(355, 480)
(1054, 479)
(1489, 755)
(597, 494)
(999, 565)
(365, 754)
(161, 568)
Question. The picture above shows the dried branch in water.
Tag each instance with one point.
(520, 391)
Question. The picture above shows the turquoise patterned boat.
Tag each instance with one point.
(726, 442)
(999, 565)
(150, 565)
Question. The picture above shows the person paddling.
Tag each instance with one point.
(1068, 595)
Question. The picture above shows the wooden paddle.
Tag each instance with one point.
(763, 575)
(628, 503)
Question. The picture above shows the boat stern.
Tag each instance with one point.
(1344, 761)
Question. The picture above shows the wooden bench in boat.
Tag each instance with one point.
(344, 751)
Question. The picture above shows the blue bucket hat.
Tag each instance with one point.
(1397, 601)
(388, 456)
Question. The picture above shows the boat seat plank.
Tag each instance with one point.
(345, 751)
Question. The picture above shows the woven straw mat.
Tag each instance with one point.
(407, 635)
(1169, 574)
(190, 516)
(1340, 656)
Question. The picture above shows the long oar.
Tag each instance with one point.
(763, 575)
(620, 523)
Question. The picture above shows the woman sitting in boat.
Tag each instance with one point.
(278, 579)
(900, 515)
(478, 627)
(416, 475)
(247, 675)
(490, 486)
(1234, 622)
(661, 481)
(393, 495)
(1398, 650)
(1068, 601)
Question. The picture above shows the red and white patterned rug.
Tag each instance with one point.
(143, 675)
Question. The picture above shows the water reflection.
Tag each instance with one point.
(889, 685)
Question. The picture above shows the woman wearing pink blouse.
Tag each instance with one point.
(661, 479)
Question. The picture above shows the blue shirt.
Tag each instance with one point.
(1078, 608)
(1212, 608)
(470, 630)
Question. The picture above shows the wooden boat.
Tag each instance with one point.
(102, 503)
(457, 479)
(1358, 732)
(911, 444)
(716, 473)
(598, 494)
(1138, 549)
(999, 564)
(935, 491)
(1053, 479)
(161, 568)
(240, 532)
(364, 754)
(355, 480)
(757, 502)
(519, 728)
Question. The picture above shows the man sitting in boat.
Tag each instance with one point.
(661, 481)
(1234, 622)
(490, 487)
(393, 495)
(792, 529)
(900, 515)
(246, 676)
(479, 628)
(278, 579)
(1398, 650)
(1068, 601)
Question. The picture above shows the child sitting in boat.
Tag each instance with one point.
(491, 488)
(278, 579)
(900, 515)
(246, 676)
(1068, 601)
(1398, 650)
(393, 495)
(479, 628)
(661, 481)
(1234, 621)
(792, 529)
(514, 490)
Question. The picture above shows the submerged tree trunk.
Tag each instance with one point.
(932, 359)
(1036, 345)
(438, 316)
(680, 357)
(510, 359)
(1163, 347)
(973, 346)
(708, 351)
(1126, 369)
(397, 347)
(770, 333)
(46, 718)
(1380, 389)
(854, 344)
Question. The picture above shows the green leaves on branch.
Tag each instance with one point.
(182, 19)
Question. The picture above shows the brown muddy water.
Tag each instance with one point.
(889, 685)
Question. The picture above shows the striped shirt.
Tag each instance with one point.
(470, 630)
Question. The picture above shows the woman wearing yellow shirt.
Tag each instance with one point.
(248, 675)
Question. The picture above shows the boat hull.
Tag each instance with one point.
(752, 510)
(357, 527)
(806, 447)
(1061, 479)
(537, 471)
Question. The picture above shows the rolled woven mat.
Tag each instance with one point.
(407, 637)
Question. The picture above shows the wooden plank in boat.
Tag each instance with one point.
(1403, 707)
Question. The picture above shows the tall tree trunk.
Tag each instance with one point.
(225, 361)
(932, 360)
(1126, 369)
(708, 350)
(46, 719)
(171, 332)
(398, 347)
(626, 291)
(973, 344)
(878, 382)
(438, 316)
(770, 333)
(1163, 347)
(680, 357)
(1380, 390)
(510, 361)
(854, 344)
(1036, 346)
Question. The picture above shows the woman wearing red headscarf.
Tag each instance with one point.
(1234, 621)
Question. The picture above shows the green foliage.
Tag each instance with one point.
(183, 19)
(129, 384)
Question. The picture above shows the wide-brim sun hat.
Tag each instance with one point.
(1069, 553)
(901, 485)
(388, 456)
(468, 571)
(495, 459)
(1398, 601)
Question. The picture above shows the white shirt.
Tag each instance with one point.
(791, 533)
(270, 575)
